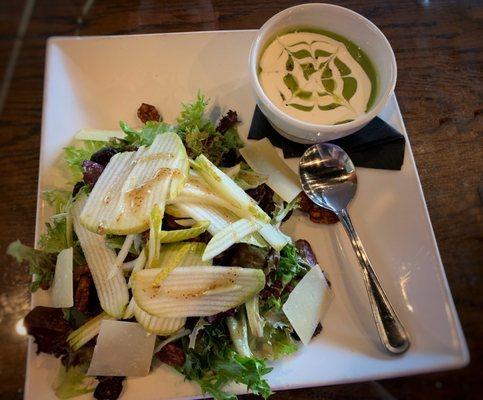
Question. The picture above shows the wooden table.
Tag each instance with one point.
(438, 45)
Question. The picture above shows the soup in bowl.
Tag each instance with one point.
(320, 72)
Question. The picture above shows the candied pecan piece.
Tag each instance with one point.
(305, 203)
(320, 215)
(171, 354)
(147, 112)
(80, 271)
(109, 387)
(81, 298)
(316, 213)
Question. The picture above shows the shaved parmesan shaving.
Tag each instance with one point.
(99, 135)
(261, 156)
(157, 325)
(133, 183)
(122, 349)
(86, 332)
(232, 234)
(62, 290)
(113, 293)
(306, 304)
(185, 292)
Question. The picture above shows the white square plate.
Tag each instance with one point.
(96, 81)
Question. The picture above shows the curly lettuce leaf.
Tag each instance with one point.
(276, 343)
(144, 136)
(290, 266)
(74, 156)
(41, 264)
(57, 237)
(213, 364)
(59, 200)
(200, 135)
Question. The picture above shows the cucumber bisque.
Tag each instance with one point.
(318, 77)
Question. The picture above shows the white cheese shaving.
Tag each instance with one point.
(307, 302)
(62, 286)
(122, 349)
(261, 156)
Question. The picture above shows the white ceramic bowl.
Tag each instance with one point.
(339, 20)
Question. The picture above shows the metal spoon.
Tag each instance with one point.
(329, 179)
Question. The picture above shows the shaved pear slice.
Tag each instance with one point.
(242, 204)
(110, 285)
(220, 218)
(157, 325)
(133, 183)
(196, 291)
(226, 188)
(102, 207)
(232, 234)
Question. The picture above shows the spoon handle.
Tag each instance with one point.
(391, 331)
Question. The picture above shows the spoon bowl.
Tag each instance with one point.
(328, 176)
(329, 179)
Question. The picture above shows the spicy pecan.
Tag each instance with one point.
(147, 112)
(81, 298)
(320, 215)
(316, 213)
(171, 354)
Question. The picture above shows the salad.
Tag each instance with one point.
(168, 250)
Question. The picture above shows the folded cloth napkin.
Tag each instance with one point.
(377, 145)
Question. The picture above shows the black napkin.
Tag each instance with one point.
(377, 145)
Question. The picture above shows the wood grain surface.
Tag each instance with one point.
(438, 46)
